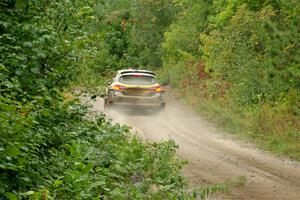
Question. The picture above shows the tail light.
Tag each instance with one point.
(156, 89)
(119, 87)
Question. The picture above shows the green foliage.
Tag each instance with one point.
(188, 26)
(151, 19)
(248, 55)
(49, 147)
(250, 50)
(247, 50)
(180, 55)
(235, 54)
(123, 34)
(62, 155)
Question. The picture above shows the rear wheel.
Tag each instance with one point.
(159, 109)
(163, 107)
(107, 105)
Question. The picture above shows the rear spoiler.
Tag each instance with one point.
(138, 71)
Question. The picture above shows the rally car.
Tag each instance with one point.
(135, 89)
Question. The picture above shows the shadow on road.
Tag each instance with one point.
(134, 112)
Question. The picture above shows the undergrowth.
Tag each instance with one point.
(65, 155)
(267, 127)
(238, 62)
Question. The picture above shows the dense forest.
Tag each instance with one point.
(236, 61)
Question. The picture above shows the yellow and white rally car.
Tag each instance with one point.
(135, 89)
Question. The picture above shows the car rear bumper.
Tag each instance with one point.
(137, 101)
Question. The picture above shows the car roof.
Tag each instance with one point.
(129, 71)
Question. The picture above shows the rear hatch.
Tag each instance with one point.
(138, 84)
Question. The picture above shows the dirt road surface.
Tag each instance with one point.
(214, 157)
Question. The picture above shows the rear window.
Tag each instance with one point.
(137, 80)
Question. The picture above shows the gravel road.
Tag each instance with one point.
(214, 157)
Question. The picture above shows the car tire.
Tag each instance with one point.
(106, 105)
(159, 109)
(163, 107)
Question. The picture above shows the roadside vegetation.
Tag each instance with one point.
(237, 61)
(49, 148)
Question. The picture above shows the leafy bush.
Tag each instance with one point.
(63, 155)
(241, 54)
(250, 51)
(48, 147)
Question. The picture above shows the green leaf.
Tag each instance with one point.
(41, 55)
(11, 196)
(28, 193)
(57, 183)
(45, 113)
(35, 70)
(12, 152)
(97, 184)
(4, 24)
(27, 44)
(27, 27)
(3, 68)
(87, 168)
(20, 4)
